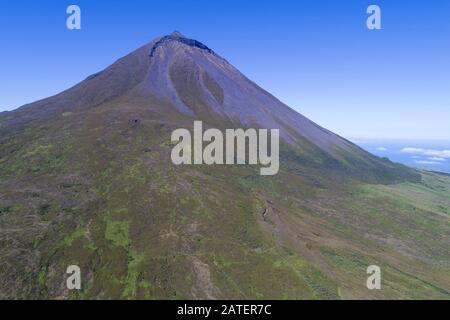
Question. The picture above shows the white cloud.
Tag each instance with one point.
(427, 162)
(445, 154)
(382, 149)
(437, 159)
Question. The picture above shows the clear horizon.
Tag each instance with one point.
(318, 57)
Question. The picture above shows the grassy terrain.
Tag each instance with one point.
(95, 187)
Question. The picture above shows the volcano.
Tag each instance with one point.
(87, 180)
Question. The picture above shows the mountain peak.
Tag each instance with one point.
(178, 37)
(177, 34)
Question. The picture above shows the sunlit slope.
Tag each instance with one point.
(86, 179)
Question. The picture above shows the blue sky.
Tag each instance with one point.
(317, 56)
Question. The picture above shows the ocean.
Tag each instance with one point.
(422, 154)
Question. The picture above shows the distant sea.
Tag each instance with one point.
(423, 154)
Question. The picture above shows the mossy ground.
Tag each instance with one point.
(103, 194)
